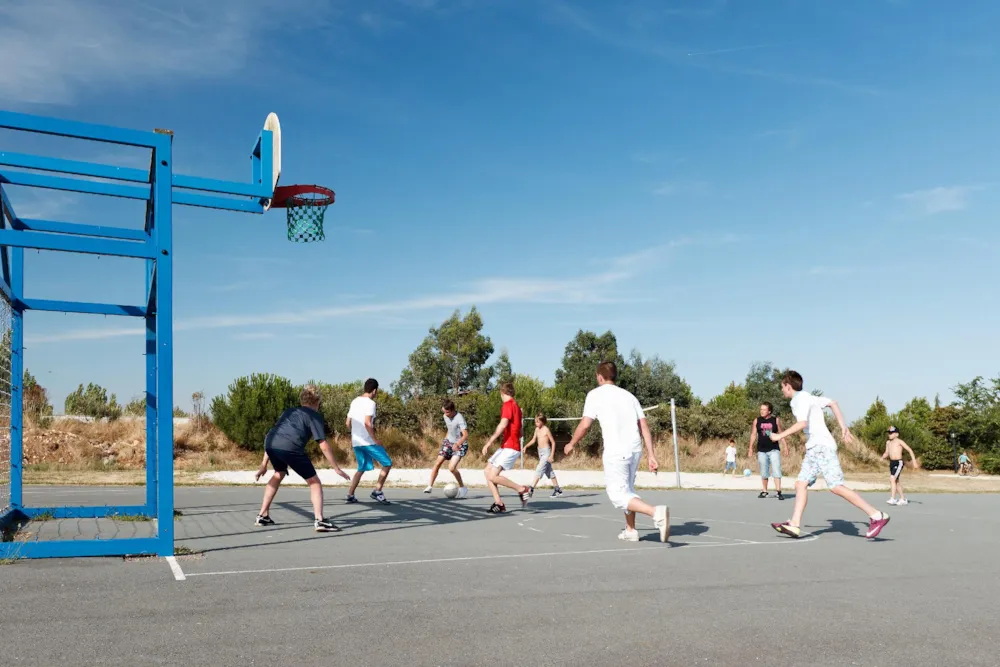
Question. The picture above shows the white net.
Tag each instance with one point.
(6, 332)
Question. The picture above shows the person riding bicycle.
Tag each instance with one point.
(964, 464)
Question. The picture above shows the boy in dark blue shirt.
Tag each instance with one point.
(285, 447)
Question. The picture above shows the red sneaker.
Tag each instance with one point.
(876, 526)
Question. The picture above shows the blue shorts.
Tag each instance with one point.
(368, 455)
(770, 464)
(730, 465)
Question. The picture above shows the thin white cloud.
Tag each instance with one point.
(638, 34)
(53, 50)
(831, 270)
(232, 287)
(941, 199)
(600, 287)
(739, 49)
(254, 335)
(356, 231)
(677, 188)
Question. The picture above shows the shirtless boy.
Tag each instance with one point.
(546, 455)
(894, 447)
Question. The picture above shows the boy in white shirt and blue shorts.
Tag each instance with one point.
(367, 449)
(624, 429)
(820, 457)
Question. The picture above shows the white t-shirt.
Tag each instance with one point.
(730, 454)
(361, 407)
(808, 408)
(455, 427)
(619, 413)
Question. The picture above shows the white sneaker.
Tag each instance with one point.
(892, 501)
(902, 501)
(628, 535)
(428, 489)
(463, 492)
(661, 519)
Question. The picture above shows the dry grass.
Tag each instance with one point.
(70, 445)
(116, 451)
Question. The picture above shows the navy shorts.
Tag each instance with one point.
(282, 460)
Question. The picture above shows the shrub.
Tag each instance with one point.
(989, 463)
(933, 452)
(37, 408)
(939, 455)
(93, 402)
(251, 406)
(136, 407)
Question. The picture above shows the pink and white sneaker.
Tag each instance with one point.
(876, 526)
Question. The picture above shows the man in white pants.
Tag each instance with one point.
(624, 427)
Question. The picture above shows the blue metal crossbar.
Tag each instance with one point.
(160, 188)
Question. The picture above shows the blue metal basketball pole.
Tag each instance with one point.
(160, 188)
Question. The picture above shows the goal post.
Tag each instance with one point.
(673, 418)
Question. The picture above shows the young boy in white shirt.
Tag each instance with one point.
(730, 458)
(367, 449)
(820, 457)
(624, 428)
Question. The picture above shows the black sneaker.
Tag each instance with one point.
(780, 496)
(379, 497)
(325, 526)
(556, 492)
(263, 520)
(524, 498)
(351, 499)
(496, 509)
(762, 494)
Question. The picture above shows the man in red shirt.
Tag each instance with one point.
(510, 450)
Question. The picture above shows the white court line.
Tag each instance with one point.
(416, 562)
(175, 567)
(809, 538)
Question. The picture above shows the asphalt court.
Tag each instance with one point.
(552, 580)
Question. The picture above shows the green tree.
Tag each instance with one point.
(978, 414)
(876, 410)
(580, 360)
(502, 370)
(36, 399)
(136, 407)
(919, 411)
(251, 407)
(450, 359)
(93, 401)
(654, 381)
(763, 385)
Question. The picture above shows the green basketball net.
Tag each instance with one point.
(305, 207)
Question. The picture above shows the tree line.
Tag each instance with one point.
(453, 361)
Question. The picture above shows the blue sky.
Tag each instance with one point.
(810, 183)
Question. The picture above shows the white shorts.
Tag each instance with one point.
(619, 479)
(505, 458)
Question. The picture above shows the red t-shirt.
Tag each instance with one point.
(511, 411)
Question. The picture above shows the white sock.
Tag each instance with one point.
(877, 515)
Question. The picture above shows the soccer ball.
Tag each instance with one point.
(451, 490)
(746, 472)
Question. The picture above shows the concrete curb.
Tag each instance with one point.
(569, 478)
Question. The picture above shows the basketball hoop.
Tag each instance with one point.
(305, 206)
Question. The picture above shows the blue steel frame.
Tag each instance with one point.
(160, 188)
